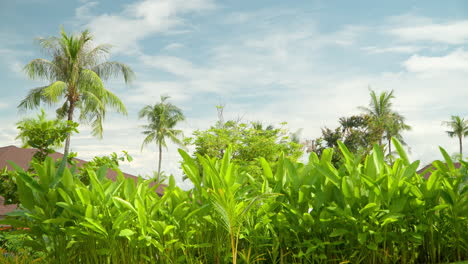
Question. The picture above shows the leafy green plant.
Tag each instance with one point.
(363, 210)
(43, 134)
(249, 141)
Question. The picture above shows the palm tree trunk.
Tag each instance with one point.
(390, 147)
(461, 147)
(160, 159)
(70, 118)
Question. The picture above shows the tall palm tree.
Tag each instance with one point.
(384, 121)
(75, 73)
(459, 128)
(379, 111)
(162, 118)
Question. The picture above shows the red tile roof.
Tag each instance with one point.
(23, 156)
(428, 174)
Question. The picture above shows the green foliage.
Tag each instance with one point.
(248, 141)
(110, 162)
(8, 188)
(361, 211)
(356, 132)
(384, 121)
(44, 134)
(14, 243)
(225, 189)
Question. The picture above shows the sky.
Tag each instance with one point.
(306, 62)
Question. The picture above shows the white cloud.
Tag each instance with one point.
(173, 46)
(347, 36)
(454, 61)
(12, 58)
(149, 92)
(83, 12)
(453, 32)
(140, 20)
(392, 49)
(170, 64)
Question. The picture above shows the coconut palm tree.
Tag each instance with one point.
(75, 74)
(385, 122)
(379, 111)
(162, 118)
(459, 128)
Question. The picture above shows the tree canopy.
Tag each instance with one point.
(249, 141)
(44, 134)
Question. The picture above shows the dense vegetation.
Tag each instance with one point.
(355, 200)
(361, 212)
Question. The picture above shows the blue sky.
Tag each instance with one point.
(304, 62)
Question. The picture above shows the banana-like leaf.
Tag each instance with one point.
(401, 151)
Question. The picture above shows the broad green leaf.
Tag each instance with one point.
(126, 233)
(401, 151)
(338, 232)
(266, 169)
(346, 187)
(433, 179)
(447, 159)
(125, 204)
(368, 208)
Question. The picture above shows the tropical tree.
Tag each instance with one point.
(379, 111)
(248, 142)
(356, 132)
(75, 74)
(384, 121)
(43, 134)
(459, 128)
(162, 118)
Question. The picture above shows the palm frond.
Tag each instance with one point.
(41, 69)
(148, 139)
(34, 98)
(114, 102)
(54, 91)
(62, 111)
(110, 69)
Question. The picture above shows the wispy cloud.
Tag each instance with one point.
(13, 59)
(451, 32)
(173, 46)
(140, 20)
(392, 49)
(84, 12)
(454, 61)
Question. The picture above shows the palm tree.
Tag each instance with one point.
(383, 120)
(459, 128)
(76, 73)
(162, 118)
(379, 111)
